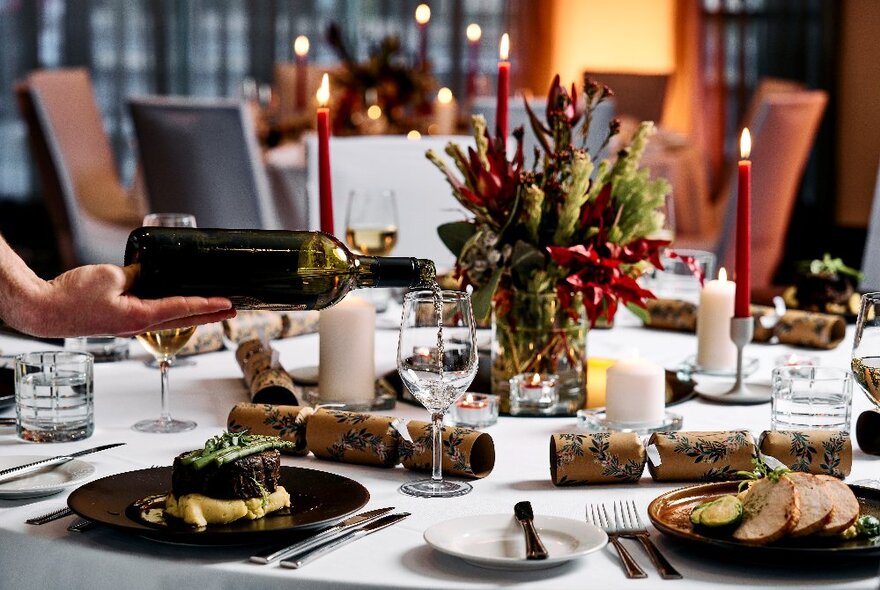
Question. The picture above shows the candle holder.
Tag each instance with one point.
(474, 410)
(741, 332)
(533, 394)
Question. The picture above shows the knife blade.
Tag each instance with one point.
(300, 559)
(276, 553)
(19, 470)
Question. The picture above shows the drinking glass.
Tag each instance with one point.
(164, 344)
(371, 230)
(866, 347)
(371, 222)
(437, 361)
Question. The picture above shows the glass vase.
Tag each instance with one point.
(537, 334)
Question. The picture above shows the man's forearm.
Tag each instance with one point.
(18, 287)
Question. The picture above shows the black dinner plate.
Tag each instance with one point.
(670, 513)
(317, 499)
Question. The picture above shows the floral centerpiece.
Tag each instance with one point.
(555, 247)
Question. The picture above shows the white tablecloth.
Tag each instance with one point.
(48, 556)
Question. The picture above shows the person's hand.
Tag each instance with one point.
(93, 299)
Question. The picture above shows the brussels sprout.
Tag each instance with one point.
(868, 526)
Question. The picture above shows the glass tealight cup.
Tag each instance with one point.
(805, 397)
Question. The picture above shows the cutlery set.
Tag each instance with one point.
(302, 552)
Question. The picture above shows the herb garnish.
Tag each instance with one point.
(231, 446)
(761, 470)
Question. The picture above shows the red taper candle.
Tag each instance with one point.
(301, 53)
(325, 191)
(743, 228)
(503, 87)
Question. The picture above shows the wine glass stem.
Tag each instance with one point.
(164, 365)
(437, 446)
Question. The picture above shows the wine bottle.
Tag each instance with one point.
(261, 269)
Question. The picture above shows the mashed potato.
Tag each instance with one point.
(199, 510)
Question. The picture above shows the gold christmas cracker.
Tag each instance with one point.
(811, 330)
(761, 334)
(247, 325)
(286, 422)
(267, 381)
(269, 325)
(206, 338)
(599, 457)
(700, 456)
(827, 452)
(672, 314)
(466, 452)
(352, 437)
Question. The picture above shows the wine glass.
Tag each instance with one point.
(437, 361)
(371, 229)
(866, 347)
(164, 344)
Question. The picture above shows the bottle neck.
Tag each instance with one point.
(394, 271)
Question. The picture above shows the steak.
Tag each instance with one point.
(248, 477)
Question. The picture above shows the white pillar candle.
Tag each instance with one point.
(445, 111)
(346, 368)
(635, 392)
(715, 349)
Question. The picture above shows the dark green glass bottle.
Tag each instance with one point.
(261, 269)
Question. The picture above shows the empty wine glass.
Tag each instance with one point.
(437, 361)
(866, 347)
(164, 344)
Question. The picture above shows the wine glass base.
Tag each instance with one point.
(164, 426)
(428, 488)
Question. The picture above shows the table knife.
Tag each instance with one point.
(276, 553)
(534, 547)
(300, 559)
(13, 472)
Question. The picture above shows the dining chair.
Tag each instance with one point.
(518, 116)
(871, 256)
(640, 96)
(200, 156)
(783, 130)
(91, 211)
(424, 199)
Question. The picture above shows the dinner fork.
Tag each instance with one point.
(81, 525)
(631, 527)
(598, 516)
(49, 517)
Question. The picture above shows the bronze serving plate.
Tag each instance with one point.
(670, 513)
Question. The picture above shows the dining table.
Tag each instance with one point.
(48, 556)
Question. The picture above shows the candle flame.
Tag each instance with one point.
(536, 379)
(722, 274)
(504, 47)
(745, 144)
(301, 46)
(469, 398)
(444, 96)
(423, 14)
(473, 32)
(323, 94)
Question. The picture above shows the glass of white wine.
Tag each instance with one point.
(164, 344)
(866, 347)
(371, 222)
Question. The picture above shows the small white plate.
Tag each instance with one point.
(45, 482)
(496, 540)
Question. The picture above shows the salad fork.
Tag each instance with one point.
(598, 516)
(632, 528)
(49, 517)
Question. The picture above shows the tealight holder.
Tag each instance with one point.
(533, 393)
(474, 410)
(796, 359)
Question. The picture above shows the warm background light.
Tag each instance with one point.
(423, 14)
(636, 36)
(504, 47)
(323, 93)
(301, 45)
(413, 135)
(374, 112)
(444, 95)
(474, 32)
(745, 144)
